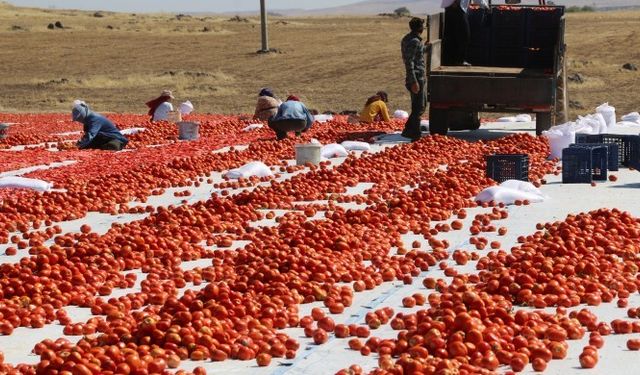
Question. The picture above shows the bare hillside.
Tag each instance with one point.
(118, 61)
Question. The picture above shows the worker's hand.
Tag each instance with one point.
(415, 88)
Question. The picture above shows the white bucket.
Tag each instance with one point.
(188, 130)
(308, 153)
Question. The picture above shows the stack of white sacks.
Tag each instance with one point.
(603, 121)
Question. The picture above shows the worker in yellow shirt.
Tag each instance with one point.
(375, 109)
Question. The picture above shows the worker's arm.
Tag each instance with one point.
(310, 119)
(90, 132)
(411, 49)
(384, 112)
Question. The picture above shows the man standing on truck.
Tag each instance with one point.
(415, 68)
(457, 31)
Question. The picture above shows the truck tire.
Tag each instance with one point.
(463, 120)
(438, 123)
(543, 122)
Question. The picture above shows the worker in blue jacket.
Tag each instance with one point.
(292, 116)
(99, 132)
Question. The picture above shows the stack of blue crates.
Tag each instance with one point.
(628, 145)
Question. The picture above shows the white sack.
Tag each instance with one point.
(254, 168)
(14, 182)
(322, 118)
(632, 117)
(315, 141)
(623, 124)
(508, 119)
(608, 112)
(333, 150)
(186, 108)
(500, 194)
(356, 146)
(591, 124)
(400, 114)
(559, 139)
(252, 127)
(523, 186)
(523, 118)
(132, 131)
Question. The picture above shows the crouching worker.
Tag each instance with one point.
(292, 116)
(99, 132)
(375, 109)
(267, 105)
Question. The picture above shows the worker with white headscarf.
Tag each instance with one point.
(457, 32)
(99, 132)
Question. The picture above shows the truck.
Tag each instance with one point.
(517, 58)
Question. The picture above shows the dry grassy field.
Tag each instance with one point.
(118, 61)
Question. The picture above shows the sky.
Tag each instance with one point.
(178, 6)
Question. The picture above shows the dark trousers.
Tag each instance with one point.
(104, 143)
(457, 35)
(282, 127)
(418, 106)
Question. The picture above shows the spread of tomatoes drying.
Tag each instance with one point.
(181, 270)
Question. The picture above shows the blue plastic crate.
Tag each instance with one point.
(634, 153)
(588, 138)
(599, 159)
(503, 167)
(612, 153)
(578, 165)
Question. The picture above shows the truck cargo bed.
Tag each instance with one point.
(488, 71)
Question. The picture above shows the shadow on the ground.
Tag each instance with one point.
(634, 185)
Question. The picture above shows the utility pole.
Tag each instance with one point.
(263, 19)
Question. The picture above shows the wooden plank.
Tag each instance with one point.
(434, 55)
(478, 69)
(477, 90)
(434, 26)
(488, 71)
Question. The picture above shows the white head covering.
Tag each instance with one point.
(79, 111)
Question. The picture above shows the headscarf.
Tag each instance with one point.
(266, 92)
(165, 96)
(293, 98)
(80, 111)
(380, 95)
